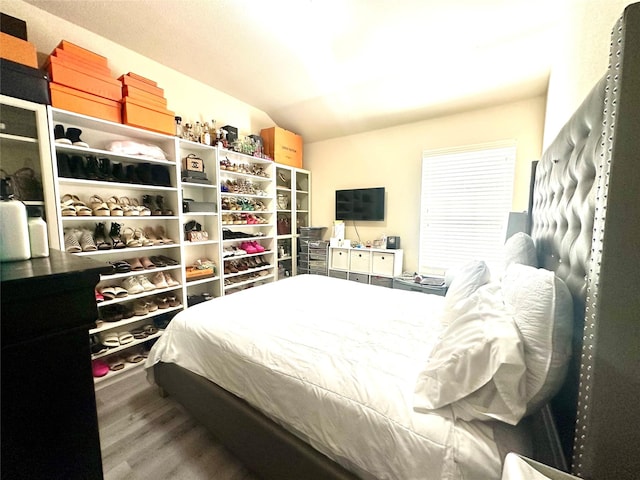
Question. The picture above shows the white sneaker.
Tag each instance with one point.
(132, 285)
(146, 284)
(172, 282)
(159, 280)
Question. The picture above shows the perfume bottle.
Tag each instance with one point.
(179, 129)
(197, 132)
(206, 136)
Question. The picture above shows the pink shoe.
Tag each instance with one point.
(248, 247)
(100, 368)
(259, 248)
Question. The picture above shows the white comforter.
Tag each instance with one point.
(336, 363)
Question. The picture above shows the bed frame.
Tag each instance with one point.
(586, 224)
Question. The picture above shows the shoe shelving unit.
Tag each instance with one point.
(253, 219)
(293, 202)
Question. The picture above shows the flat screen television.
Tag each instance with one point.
(360, 204)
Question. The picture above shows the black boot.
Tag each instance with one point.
(58, 133)
(117, 170)
(63, 165)
(131, 176)
(92, 170)
(73, 134)
(76, 167)
(104, 166)
(143, 172)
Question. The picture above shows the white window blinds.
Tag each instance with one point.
(466, 197)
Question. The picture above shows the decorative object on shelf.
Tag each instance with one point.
(14, 229)
(193, 169)
(283, 201)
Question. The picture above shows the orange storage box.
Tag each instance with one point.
(142, 85)
(18, 50)
(94, 84)
(139, 94)
(74, 61)
(88, 55)
(142, 79)
(138, 113)
(283, 146)
(81, 102)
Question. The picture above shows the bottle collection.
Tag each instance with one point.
(208, 134)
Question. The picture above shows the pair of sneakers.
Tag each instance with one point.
(164, 280)
(137, 284)
(252, 247)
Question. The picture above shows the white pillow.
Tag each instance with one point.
(520, 248)
(542, 308)
(466, 281)
(477, 368)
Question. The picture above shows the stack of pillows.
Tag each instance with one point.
(506, 346)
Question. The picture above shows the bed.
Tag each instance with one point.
(374, 392)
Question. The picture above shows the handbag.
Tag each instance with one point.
(283, 227)
(24, 184)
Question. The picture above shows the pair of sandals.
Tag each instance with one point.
(72, 206)
(110, 292)
(116, 339)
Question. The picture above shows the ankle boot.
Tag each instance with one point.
(143, 172)
(59, 135)
(117, 170)
(104, 167)
(130, 175)
(91, 168)
(73, 134)
(100, 237)
(76, 167)
(63, 165)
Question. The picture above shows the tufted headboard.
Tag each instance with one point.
(586, 225)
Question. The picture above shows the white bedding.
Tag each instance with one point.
(336, 363)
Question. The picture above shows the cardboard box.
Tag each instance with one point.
(20, 81)
(134, 82)
(85, 103)
(99, 85)
(13, 26)
(17, 50)
(142, 79)
(88, 55)
(139, 94)
(283, 146)
(138, 113)
(74, 61)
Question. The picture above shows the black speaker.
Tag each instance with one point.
(393, 243)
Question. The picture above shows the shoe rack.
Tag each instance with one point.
(133, 204)
(248, 220)
(293, 197)
(119, 207)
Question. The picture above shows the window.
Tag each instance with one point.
(466, 197)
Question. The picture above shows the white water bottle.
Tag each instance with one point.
(14, 231)
(38, 237)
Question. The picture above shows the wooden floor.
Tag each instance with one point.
(144, 436)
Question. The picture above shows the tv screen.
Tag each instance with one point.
(360, 204)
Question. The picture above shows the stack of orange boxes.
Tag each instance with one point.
(80, 81)
(144, 105)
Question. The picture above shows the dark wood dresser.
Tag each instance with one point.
(49, 419)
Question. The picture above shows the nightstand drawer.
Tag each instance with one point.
(359, 261)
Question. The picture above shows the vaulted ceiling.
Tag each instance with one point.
(327, 68)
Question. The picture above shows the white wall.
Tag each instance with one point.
(187, 97)
(582, 57)
(393, 158)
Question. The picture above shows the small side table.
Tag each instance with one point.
(408, 284)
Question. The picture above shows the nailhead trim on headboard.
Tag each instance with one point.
(581, 459)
